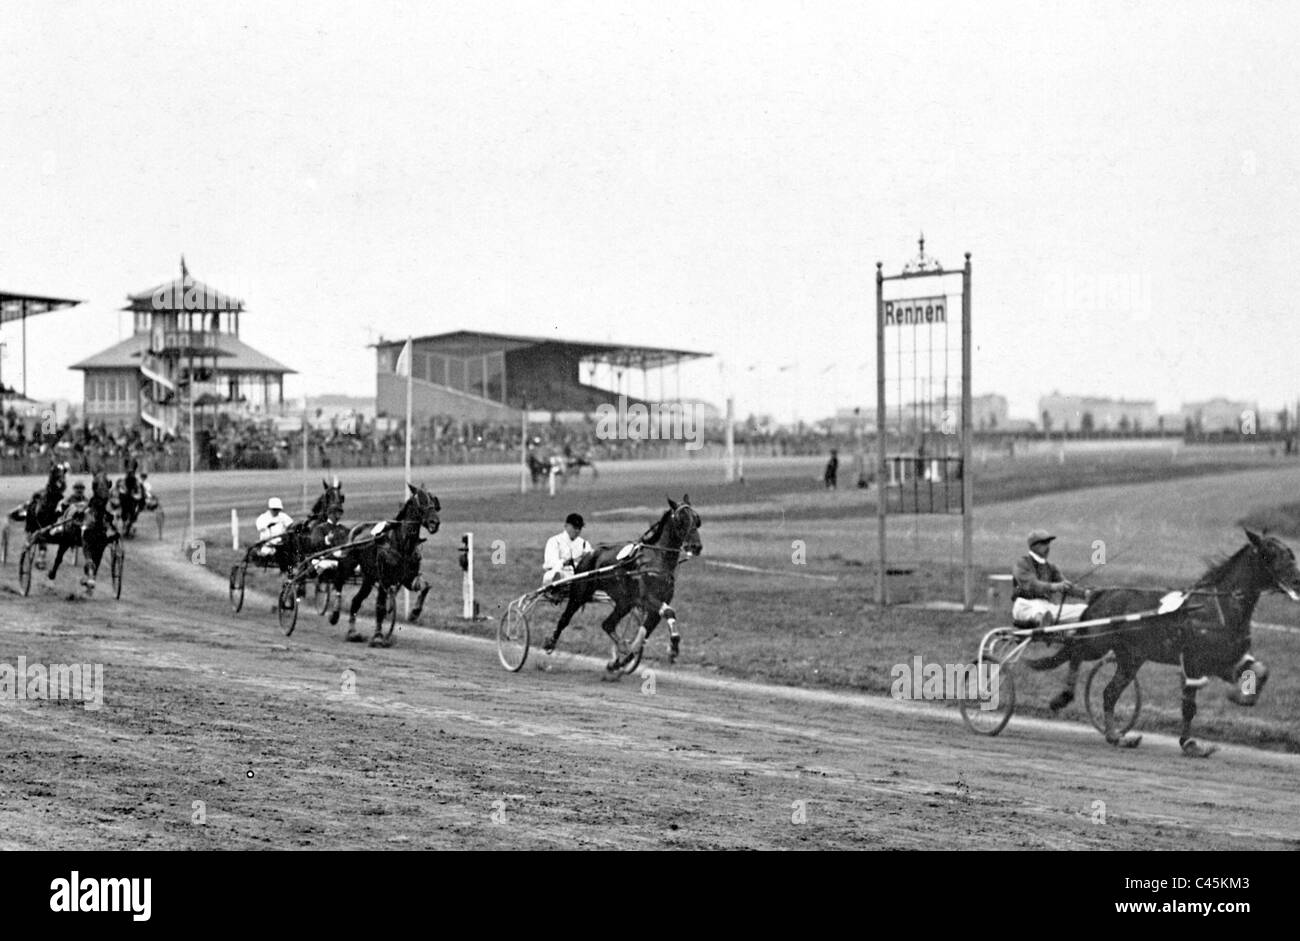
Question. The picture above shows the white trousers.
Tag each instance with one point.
(1033, 609)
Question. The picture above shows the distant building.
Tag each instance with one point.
(1221, 414)
(476, 376)
(185, 332)
(1058, 412)
(988, 413)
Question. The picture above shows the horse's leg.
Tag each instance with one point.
(1125, 671)
(669, 614)
(367, 582)
(342, 572)
(58, 558)
(621, 610)
(576, 601)
(422, 588)
(1192, 748)
(1066, 695)
(381, 610)
(1248, 678)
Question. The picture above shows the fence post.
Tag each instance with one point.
(234, 528)
(467, 581)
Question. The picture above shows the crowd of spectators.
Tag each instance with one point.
(29, 443)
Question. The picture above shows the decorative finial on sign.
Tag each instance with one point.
(922, 262)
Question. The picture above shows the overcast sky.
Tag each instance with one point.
(717, 176)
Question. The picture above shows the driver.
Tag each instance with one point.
(271, 526)
(564, 551)
(74, 504)
(1039, 589)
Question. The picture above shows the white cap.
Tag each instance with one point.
(274, 504)
(336, 481)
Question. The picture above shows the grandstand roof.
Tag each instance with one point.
(472, 342)
(17, 306)
(236, 356)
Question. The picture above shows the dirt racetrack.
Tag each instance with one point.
(308, 742)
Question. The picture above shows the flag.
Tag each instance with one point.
(403, 366)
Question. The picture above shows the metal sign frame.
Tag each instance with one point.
(925, 267)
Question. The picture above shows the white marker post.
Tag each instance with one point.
(234, 528)
(467, 582)
(552, 478)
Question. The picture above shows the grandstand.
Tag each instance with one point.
(477, 376)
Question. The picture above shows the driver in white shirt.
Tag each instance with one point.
(564, 550)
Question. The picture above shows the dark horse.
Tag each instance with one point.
(642, 579)
(97, 531)
(318, 531)
(390, 557)
(43, 508)
(90, 529)
(130, 499)
(1208, 635)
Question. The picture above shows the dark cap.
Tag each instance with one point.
(574, 520)
(1039, 535)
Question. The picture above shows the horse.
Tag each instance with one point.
(642, 579)
(89, 527)
(317, 531)
(1211, 638)
(97, 531)
(390, 557)
(43, 508)
(130, 499)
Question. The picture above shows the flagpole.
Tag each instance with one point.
(410, 372)
(523, 454)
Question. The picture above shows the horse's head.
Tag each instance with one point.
(1278, 563)
(101, 486)
(331, 498)
(685, 525)
(423, 506)
(58, 480)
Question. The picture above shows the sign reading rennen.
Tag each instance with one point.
(917, 310)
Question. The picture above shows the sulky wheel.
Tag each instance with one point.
(512, 637)
(1127, 709)
(238, 572)
(117, 563)
(287, 606)
(988, 701)
(25, 562)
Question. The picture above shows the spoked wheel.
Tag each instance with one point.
(324, 591)
(512, 635)
(238, 572)
(1127, 709)
(287, 607)
(25, 562)
(116, 564)
(988, 711)
(626, 630)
